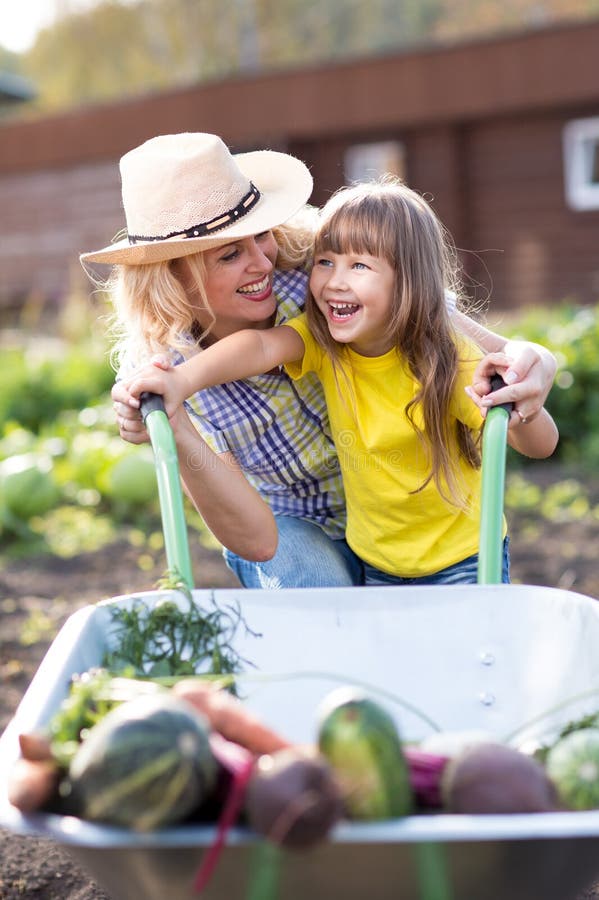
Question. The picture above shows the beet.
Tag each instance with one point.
(425, 773)
(493, 778)
(292, 798)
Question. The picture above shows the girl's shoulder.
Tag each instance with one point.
(290, 290)
(468, 352)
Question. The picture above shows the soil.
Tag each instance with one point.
(38, 595)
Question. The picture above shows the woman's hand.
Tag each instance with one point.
(534, 435)
(528, 370)
(128, 418)
(231, 508)
(529, 373)
(480, 389)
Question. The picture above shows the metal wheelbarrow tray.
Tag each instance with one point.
(486, 656)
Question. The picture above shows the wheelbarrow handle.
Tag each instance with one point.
(497, 382)
(169, 486)
(494, 450)
(149, 402)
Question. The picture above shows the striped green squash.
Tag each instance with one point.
(146, 765)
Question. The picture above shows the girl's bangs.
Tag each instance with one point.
(354, 230)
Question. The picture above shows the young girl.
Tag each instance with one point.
(377, 333)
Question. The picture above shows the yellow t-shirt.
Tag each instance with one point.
(382, 461)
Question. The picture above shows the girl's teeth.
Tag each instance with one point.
(343, 310)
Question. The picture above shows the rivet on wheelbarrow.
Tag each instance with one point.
(486, 698)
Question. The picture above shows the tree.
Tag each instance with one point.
(118, 48)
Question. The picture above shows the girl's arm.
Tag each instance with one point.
(536, 437)
(531, 368)
(232, 509)
(240, 355)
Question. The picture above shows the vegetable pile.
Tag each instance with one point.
(141, 755)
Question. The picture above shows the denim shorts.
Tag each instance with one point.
(305, 557)
(463, 572)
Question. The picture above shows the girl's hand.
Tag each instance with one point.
(158, 377)
(125, 399)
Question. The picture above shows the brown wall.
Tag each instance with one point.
(481, 124)
(498, 186)
(536, 249)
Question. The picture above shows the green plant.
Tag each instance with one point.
(37, 386)
(572, 333)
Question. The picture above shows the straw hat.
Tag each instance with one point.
(185, 192)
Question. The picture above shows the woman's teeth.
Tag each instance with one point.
(257, 288)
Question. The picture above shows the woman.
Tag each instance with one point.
(207, 255)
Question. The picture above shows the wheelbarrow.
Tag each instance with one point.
(507, 659)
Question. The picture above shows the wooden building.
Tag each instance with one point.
(501, 134)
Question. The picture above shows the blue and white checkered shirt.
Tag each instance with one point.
(278, 431)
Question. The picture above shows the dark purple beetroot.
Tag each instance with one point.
(292, 798)
(494, 778)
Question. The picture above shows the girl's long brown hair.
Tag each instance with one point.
(389, 220)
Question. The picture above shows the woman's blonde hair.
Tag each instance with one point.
(389, 220)
(155, 306)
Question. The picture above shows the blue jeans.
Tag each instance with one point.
(463, 572)
(305, 557)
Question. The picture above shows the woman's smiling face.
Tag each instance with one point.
(238, 284)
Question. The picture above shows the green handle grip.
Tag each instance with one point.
(494, 450)
(169, 487)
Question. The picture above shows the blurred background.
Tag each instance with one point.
(489, 108)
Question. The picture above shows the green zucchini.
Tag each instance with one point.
(362, 745)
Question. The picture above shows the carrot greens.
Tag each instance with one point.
(174, 638)
(91, 696)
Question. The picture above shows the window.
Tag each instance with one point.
(581, 160)
(365, 162)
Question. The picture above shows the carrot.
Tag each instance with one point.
(32, 783)
(229, 717)
(35, 746)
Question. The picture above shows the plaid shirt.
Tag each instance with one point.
(278, 431)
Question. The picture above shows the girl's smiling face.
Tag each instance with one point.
(238, 283)
(354, 292)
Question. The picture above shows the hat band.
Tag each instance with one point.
(219, 222)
